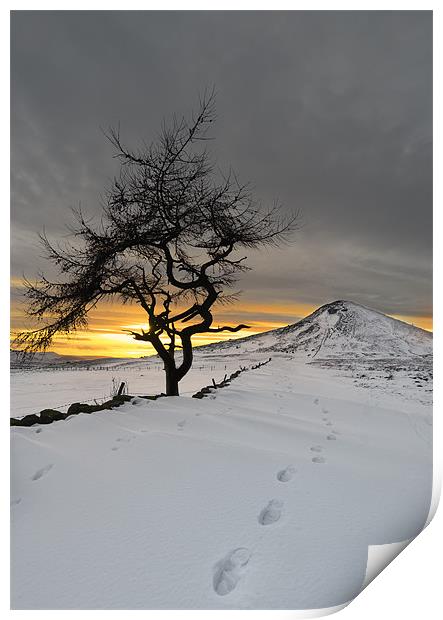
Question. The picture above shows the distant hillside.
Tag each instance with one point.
(340, 329)
(336, 330)
(48, 359)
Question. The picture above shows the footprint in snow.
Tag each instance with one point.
(316, 449)
(325, 410)
(316, 401)
(318, 459)
(286, 474)
(114, 449)
(331, 437)
(271, 513)
(181, 425)
(229, 570)
(14, 502)
(41, 472)
(328, 423)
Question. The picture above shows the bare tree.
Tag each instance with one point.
(169, 240)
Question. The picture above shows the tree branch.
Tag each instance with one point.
(228, 329)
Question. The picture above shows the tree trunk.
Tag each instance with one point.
(188, 355)
(171, 380)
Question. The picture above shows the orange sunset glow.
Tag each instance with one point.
(106, 336)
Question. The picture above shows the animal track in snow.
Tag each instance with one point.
(330, 437)
(181, 425)
(318, 459)
(41, 472)
(316, 401)
(38, 430)
(316, 449)
(229, 570)
(14, 502)
(328, 423)
(286, 474)
(114, 448)
(271, 513)
(324, 410)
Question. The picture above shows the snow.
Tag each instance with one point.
(265, 495)
(341, 329)
(57, 388)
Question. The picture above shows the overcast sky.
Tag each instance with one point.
(328, 112)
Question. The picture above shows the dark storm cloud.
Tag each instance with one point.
(330, 112)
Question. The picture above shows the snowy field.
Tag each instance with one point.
(33, 390)
(264, 495)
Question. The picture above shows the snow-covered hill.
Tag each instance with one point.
(49, 359)
(17, 359)
(341, 329)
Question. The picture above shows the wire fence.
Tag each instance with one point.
(32, 408)
(129, 367)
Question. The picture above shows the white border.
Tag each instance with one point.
(410, 586)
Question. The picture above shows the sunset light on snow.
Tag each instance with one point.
(105, 336)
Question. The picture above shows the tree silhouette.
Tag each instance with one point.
(168, 240)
